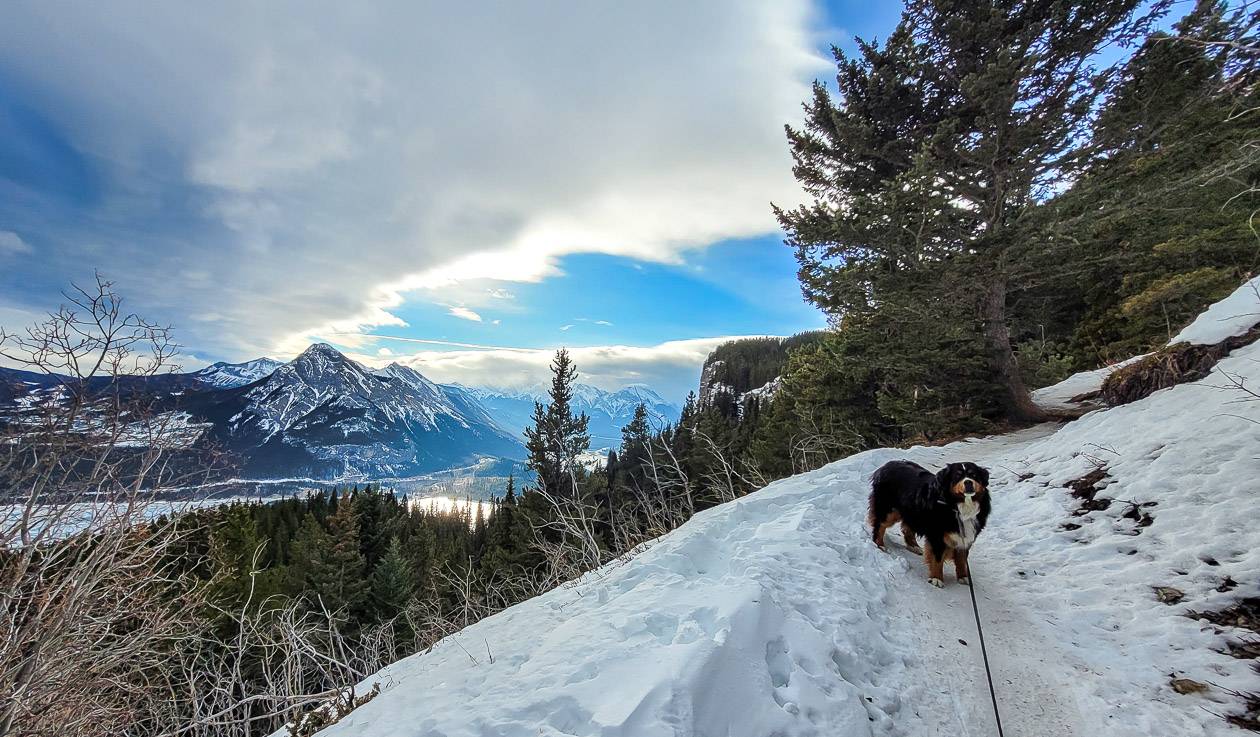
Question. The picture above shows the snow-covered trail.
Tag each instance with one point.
(776, 615)
(1033, 677)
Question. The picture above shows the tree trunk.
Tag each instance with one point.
(1016, 400)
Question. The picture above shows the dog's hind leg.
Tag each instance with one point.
(912, 541)
(880, 526)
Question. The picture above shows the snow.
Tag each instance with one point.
(230, 375)
(593, 459)
(1059, 396)
(1234, 315)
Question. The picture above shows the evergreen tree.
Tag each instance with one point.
(236, 544)
(943, 140)
(392, 582)
(336, 571)
(308, 552)
(1160, 225)
(557, 436)
(635, 439)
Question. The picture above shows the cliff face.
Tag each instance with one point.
(743, 371)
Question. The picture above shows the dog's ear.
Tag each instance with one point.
(982, 474)
(943, 477)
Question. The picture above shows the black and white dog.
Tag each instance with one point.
(947, 509)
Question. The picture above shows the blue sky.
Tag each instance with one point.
(262, 176)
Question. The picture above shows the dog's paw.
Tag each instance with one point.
(938, 583)
(965, 580)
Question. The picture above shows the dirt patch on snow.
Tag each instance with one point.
(1244, 614)
(1167, 367)
(1086, 489)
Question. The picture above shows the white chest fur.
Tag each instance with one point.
(968, 514)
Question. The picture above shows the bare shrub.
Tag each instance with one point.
(91, 602)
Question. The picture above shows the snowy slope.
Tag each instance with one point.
(1232, 316)
(1059, 396)
(775, 614)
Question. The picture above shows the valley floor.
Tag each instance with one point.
(776, 615)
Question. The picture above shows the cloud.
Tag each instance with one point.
(11, 244)
(672, 368)
(464, 313)
(604, 323)
(565, 328)
(325, 163)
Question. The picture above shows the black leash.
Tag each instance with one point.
(988, 672)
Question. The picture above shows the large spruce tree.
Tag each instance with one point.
(557, 435)
(940, 142)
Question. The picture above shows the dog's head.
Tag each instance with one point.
(962, 482)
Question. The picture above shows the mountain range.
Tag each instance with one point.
(325, 416)
(608, 411)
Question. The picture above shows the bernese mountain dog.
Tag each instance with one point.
(947, 509)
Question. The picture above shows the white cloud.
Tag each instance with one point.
(564, 328)
(672, 368)
(464, 313)
(12, 244)
(343, 158)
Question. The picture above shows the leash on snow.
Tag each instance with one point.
(984, 653)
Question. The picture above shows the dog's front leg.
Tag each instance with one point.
(934, 556)
(961, 567)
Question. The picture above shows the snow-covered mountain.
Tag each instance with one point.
(224, 375)
(609, 411)
(322, 415)
(775, 614)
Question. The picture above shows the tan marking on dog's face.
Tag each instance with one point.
(965, 486)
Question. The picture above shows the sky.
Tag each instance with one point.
(460, 187)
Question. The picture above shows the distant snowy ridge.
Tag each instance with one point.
(609, 410)
(775, 614)
(223, 375)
